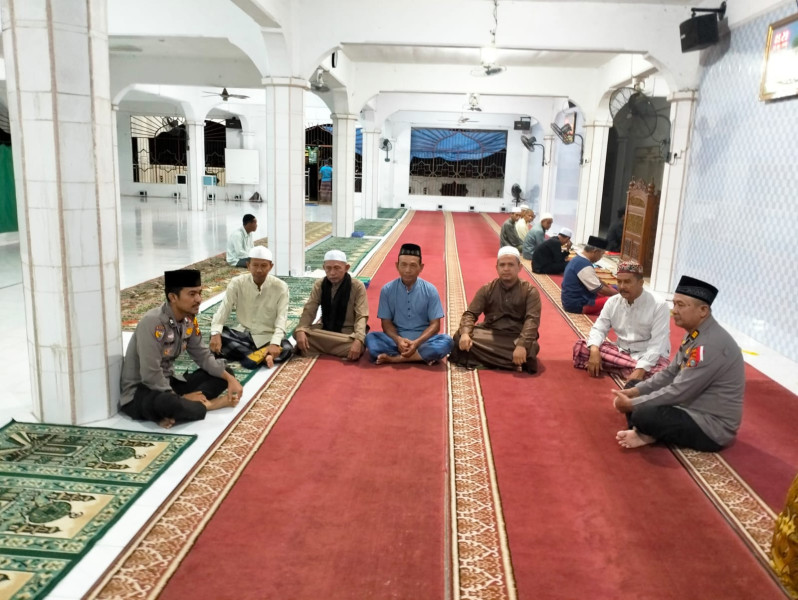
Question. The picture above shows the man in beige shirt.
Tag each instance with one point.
(344, 313)
(261, 304)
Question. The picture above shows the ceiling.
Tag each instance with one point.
(174, 47)
(433, 55)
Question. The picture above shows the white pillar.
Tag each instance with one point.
(372, 156)
(284, 179)
(591, 180)
(674, 182)
(548, 177)
(62, 129)
(196, 165)
(343, 196)
(123, 147)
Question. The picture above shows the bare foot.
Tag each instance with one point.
(385, 358)
(221, 402)
(166, 423)
(196, 397)
(630, 438)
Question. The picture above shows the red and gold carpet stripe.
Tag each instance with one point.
(743, 509)
(481, 564)
(150, 559)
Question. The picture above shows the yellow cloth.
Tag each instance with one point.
(784, 548)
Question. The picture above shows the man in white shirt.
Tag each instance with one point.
(522, 225)
(241, 242)
(642, 325)
(261, 304)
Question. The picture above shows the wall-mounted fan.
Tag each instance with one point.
(317, 83)
(225, 95)
(530, 142)
(386, 145)
(567, 136)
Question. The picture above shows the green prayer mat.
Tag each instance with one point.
(61, 488)
(390, 213)
(356, 250)
(375, 227)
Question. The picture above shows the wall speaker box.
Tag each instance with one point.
(471, 208)
(402, 205)
(504, 209)
(440, 207)
(699, 32)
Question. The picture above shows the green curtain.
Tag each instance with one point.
(8, 198)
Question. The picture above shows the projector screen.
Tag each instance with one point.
(241, 166)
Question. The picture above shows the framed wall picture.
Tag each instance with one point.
(780, 72)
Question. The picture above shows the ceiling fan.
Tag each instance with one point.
(225, 95)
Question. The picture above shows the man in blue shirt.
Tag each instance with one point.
(411, 312)
(325, 183)
(580, 284)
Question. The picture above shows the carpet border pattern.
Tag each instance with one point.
(154, 554)
(481, 564)
(747, 514)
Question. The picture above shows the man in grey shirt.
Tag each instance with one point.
(697, 402)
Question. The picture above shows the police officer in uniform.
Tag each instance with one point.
(697, 401)
(151, 390)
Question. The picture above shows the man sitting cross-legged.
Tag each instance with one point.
(551, 257)
(151, 391)
(508, 337)
(697, 402)
(411, 312)
(261, 304)
(344, 312)
(642, 324)
(580, 284)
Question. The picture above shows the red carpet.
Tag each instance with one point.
(765, 453)
(346, 497)
(585, 518)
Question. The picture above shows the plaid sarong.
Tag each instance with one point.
(613, 359)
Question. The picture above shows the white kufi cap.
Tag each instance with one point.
(546, 215)
(335, 255)
(509, 250)
(516, 209)
(565, 231)
(261, 252)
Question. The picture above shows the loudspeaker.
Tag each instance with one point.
(699, 32)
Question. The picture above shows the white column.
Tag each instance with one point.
(123, 146)
(247, 140)
(343, 196)
(548, 177)
(372, 156)
(62, 130)
(196, 165)
(674, 182)
(591, 180)
(284, 176)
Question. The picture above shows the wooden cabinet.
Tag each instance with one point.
(640, 224)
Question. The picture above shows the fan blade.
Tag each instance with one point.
(237, 96)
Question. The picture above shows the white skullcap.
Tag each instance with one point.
(566, 232)
(509, 250)
(516, 209)
(335, 255)
(523, 207)
(261, 252)
(546, 215)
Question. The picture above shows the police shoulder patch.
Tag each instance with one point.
(159, 331)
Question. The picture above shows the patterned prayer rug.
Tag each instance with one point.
(390, 213)
(374, 227)
(356, 250)
(61, 489)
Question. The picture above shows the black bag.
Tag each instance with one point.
(236, 344)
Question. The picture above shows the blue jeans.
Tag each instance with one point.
(435, 348)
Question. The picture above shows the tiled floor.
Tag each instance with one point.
(159, 235)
